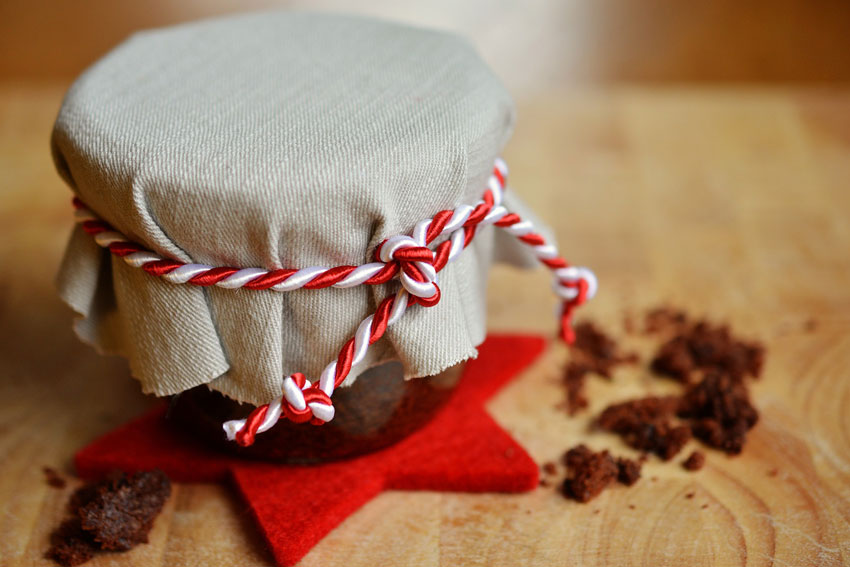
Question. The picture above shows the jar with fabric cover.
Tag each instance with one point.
(286, 222)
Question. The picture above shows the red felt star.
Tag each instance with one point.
(461, 449)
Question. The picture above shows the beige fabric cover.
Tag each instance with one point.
(275, 140)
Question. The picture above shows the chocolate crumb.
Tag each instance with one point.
(689, 495)
(550, 468)
(593, 352)
(704, 506)
(811, 325)
(646, 424)
(114, 514)
(544, 482)
(53, 478)
(574, 379)
(574, 457)
(631, 506)
(597, 351)
(628, 471)
(70, 545)
(664, 319)
(588, 473)
(720, 410)
(120, 516)
(673, 359)
(695, 461)
(703, 346)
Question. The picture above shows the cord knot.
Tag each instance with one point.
(302, 401)
(575, 285)
(416, 264)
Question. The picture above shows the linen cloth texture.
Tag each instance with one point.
(276, 140)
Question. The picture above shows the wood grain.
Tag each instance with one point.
(730, 203)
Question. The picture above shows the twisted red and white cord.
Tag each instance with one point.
(405, 256)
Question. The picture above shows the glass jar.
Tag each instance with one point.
(379, 409)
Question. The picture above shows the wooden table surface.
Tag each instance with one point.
(732, 203)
